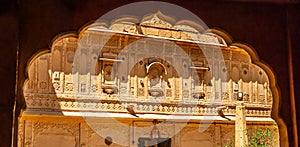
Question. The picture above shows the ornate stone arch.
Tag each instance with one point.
(272, 79)
(221, 37)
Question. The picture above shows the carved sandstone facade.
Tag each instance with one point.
(161, 67)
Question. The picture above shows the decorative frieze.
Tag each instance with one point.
(97, 104)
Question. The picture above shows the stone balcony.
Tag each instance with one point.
(56, 103)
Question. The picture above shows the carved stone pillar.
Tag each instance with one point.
(146, 87)
(173, 88)
(230, 90)
(266, 92)
(241, 139)
(99, 83)
(135, 87)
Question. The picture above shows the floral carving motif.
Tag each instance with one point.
(69, 87)
(56, 85)
(43, 85)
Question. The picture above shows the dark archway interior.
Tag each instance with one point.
(270, 27)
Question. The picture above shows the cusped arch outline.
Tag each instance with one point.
(272, 79)
(221, 33)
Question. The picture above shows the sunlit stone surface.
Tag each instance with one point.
(166, 72)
